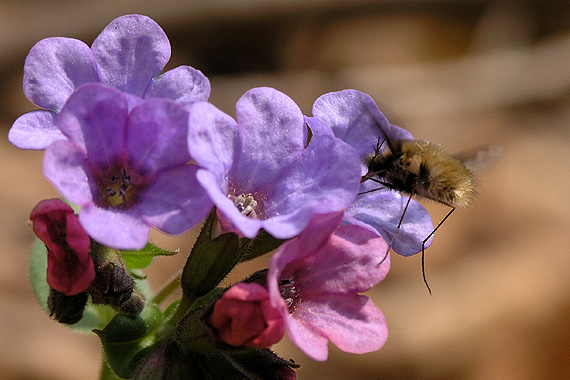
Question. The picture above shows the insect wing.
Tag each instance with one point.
(480, 158)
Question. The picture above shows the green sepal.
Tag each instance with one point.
(170, 309)
(239, 364)
(261, 245)
(143, 258)
(127, 340)
(38, 273)
(94, 317)
(210, 261)
(107, 373)
(192, 331)
(194, 334)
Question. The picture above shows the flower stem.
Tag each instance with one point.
(167, 290)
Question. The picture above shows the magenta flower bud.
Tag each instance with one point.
(244, 317)
(70, 268)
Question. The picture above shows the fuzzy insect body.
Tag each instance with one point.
(423, 169)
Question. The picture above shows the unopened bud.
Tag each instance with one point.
(134, 305)
(153, 367)
(66, 309)
(113, 286)
(244, 316)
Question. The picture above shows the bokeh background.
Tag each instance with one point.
(462, 73)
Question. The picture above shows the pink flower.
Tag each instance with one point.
(314, 281)
(70, 268)
(244, 317)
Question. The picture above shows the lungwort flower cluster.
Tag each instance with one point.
(130, 148)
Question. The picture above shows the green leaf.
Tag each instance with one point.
(143, 258)
(126, 339)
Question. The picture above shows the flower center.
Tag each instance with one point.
(288, 291)
(249, 203)
(246, 204)
(119, 186)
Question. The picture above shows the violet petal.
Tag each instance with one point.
(66, 168)
(355, 119)
(115, 228)
(327, 163)
(94, 118)
(131, 51)
(272, 126)
(156, 136)
(381, 210)
(175, 209)
(213, 139)
(35, 130)
(54, 68)
(210, 182)
(183, 84)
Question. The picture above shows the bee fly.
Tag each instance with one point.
(424, 170)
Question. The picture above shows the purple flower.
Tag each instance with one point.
(355, 118)
(128, 55)
(314, 280)
(259, 171)
(128, 170)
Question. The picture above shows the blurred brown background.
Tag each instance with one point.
(462, 73)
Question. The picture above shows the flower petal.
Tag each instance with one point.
(68, 279)
(228, 213)
(289, 225)
(356, 119)
(76, 237)
(353, 323)
(157, 130)
(320, 229)
(318, 128)
(352, 260)
(94, 118)
(183, 84)
(66, 168)
(115, 228)
(175, 201)
(325, 177)
(272, 128)
(309, 340)
(35, 130)
(381, 210)
(54, 68)
(244, 316)
(131, 51)
(213, 139)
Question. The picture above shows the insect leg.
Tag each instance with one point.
(397, 230)
(423, 248)
(366, 177)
